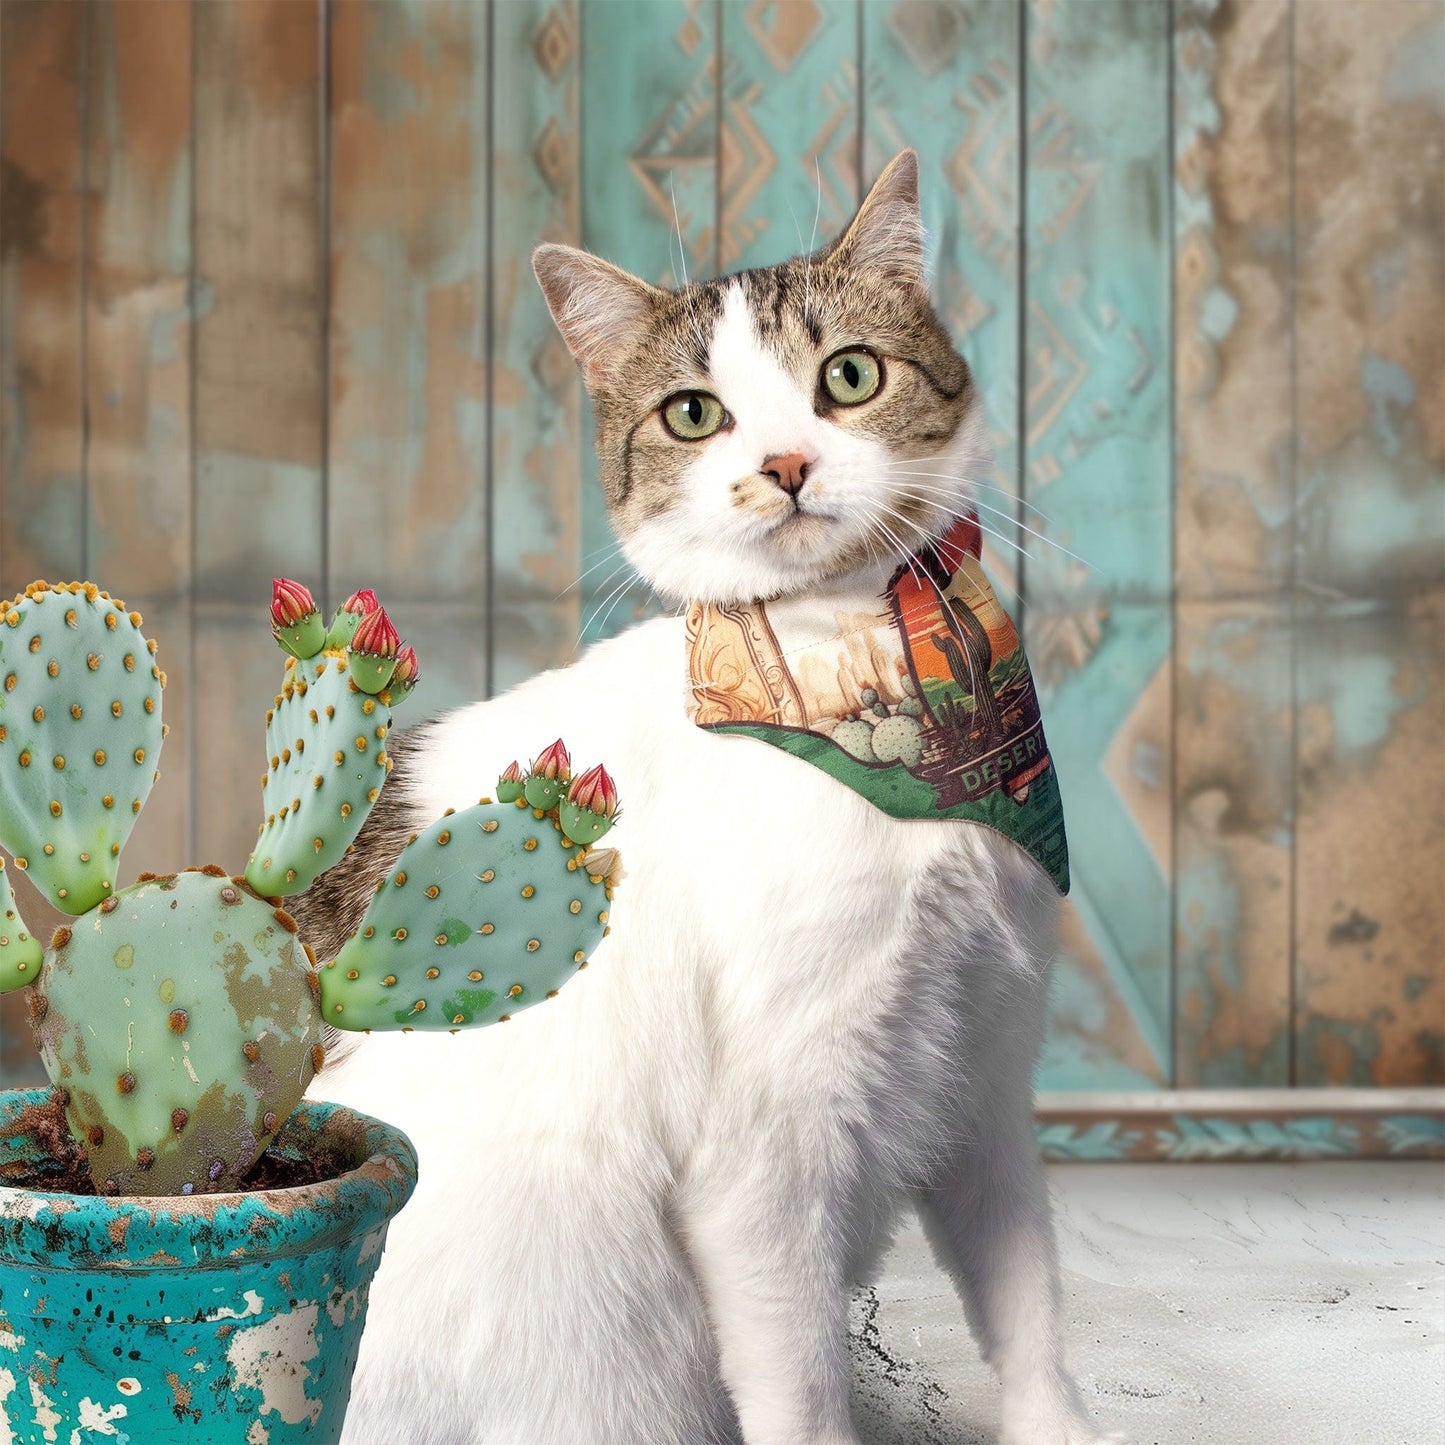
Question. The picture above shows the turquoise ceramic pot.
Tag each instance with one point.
(225, 1319)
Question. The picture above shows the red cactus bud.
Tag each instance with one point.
(554, 763)
(361, 602)
(290, 602)
(595, 791)
(513, 774)
(376, 636)
(406, 665)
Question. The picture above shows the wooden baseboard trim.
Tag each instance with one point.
(1231, 1124)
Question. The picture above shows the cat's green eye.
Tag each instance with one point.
(852, 376)
(693, 415)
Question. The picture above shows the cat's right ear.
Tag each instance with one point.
(600, 310)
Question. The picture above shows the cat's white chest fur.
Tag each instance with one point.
(806, 1011)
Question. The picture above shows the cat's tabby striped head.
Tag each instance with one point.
(764, 432)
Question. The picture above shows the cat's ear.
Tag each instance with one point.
(600, 310)
(887, 233)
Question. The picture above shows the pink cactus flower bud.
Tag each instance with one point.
(595, 791)
(376, 636)
(290, 602)
(554, 763)
(361, 602)
(406, 665)
(513, 774)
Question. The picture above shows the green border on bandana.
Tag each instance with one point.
(1036, 824)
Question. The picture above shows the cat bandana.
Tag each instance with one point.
(918, 696)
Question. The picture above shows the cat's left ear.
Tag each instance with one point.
(887, 233)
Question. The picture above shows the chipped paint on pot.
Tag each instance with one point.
(219, 1319)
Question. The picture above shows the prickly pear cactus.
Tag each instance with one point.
(20, 954)
(487, 912)
(326, 746)
(182, 1017)
(216, 1031)
(80, 736)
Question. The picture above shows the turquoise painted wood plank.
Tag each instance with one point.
(260, 399)
(137, 276)
(649, 134)
(42, 516)
(138, 380)
(1108, 713)
(1233, 646)
(410, 106)
(942, 76)
(1369, 126)
(1097, 461)
(536, 395)
(1098, 288)
(259, 379)
(788, 150)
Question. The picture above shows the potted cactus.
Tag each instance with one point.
(185, 1245)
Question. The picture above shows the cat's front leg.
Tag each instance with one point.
(987, 1217)
(766, 1246)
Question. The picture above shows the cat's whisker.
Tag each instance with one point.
(610, 552)
(900, 466)
(812, 241)
(1013, 521)
(606, 582)
(907, 557)
(602, 625)
(693, 322)
(617, 592)
(677, 224)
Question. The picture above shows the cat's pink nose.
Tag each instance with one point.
(789, 472)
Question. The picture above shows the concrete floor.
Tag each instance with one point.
(1207, 1304)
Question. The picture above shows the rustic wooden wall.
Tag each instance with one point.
(267, 308)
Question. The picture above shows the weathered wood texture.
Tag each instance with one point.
(260, 400)
(1095, 347)
(266, 306)
(1233, 799)
(536, 398)
(1369, 535)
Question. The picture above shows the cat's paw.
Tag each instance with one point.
(1051, 1428)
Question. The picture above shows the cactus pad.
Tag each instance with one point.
(214, 1031)
(80, 736)
(20, 954)
(489, 911)
(325, 743)
(899, 739)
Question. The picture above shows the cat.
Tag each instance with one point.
(643, 1204)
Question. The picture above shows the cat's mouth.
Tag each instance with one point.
(801, 528)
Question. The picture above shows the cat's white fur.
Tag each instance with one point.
(643, 1204)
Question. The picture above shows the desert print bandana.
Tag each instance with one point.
(916, 695)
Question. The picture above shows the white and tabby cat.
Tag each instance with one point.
(643, 1204)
